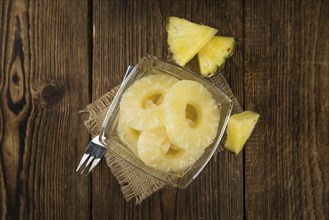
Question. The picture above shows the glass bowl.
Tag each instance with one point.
(110, 138)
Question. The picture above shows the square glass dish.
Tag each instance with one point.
(110, 138)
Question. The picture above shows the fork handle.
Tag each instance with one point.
(129, 69)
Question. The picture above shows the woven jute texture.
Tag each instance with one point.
(134, 183)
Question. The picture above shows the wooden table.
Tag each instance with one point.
(58, 56)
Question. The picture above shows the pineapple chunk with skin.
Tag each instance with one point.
(238, 130)
(214, 53)
(155, 150)
(191, 115)
(140, 105)
(185, 38)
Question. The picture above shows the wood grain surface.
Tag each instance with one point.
(58, 56)
(44, 82)
(286, 80)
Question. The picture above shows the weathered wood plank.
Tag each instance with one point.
(286, 80)
(124, 31)
(43, 82)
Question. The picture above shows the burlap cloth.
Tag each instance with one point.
(134, 183)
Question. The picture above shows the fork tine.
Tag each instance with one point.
(93, 165)
(89, 161)
(89, 151)
(83, 159)
(91, 158)
(98, 156)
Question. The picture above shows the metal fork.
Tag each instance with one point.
(95, 149)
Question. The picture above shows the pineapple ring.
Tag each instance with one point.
(154, 149)
(128, 136)
(184, 131)
(140, 106)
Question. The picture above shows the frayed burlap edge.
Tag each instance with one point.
(134, 183)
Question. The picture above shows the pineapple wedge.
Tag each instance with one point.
(185, 38)
(214, 53)
(238, 130)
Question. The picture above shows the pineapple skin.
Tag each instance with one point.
(214, 54)
(185, 38)
(239, 129)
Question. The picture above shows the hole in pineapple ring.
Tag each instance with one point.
(153, 100)
(135, 132)
(191, 115)
(172, 151)
(168, 148)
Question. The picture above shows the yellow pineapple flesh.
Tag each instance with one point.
(185, 38)
(128, 136)
(141, 103)
(155, 150)
(214, 53)
(191, 115)
(238, 130)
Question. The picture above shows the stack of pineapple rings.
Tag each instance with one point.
(167, 122)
